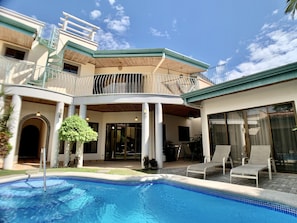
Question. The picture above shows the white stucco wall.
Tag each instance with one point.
(172, 123)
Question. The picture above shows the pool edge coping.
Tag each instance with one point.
(272, 196)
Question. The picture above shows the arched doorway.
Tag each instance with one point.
(34, 135)
(29, 142)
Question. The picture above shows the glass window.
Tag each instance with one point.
(218, 130)
(258, 126)
(70, 68)
(13, 53)
(236, 133)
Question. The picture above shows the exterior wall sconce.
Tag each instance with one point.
(38, 114)
(60, 113)
(87, 118)
(120, 67)
(136, 119)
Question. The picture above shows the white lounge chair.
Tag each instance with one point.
(259, 160)
(219, 159)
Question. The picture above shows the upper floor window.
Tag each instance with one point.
(13, 53)
(70, 68)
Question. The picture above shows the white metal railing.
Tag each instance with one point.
(78, 26)
(24, 72)
(14, 71)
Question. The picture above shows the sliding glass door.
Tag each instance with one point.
(267, 125)
(282, 121)
(123, 141)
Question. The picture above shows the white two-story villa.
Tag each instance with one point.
(138, 100)
(130, 97)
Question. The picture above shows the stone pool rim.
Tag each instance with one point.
(265, 195)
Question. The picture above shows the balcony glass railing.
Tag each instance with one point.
(24, 72)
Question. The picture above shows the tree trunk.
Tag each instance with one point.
(67, 158)
(80, 154)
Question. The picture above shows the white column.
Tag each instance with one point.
(159, 134)
(13, 125)
(79, 145)
(71, 110)
(205, 133)
(145, 132)
(54, 161)
(83, 111)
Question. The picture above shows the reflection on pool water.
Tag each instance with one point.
(87, 200)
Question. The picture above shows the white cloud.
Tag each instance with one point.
(120, 10)
(119, 25)
(220, 68)
(274, 46)
(107, 41)
(158, 33)
(95, 14)
(275, 12)
(97, 3)
(111, 2)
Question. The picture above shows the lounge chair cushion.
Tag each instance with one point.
(248, 169)
(219, 159)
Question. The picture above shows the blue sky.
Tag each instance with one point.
(235, 38)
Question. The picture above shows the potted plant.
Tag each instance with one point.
(154, 164)
(146, 162)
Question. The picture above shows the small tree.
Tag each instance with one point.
(75, 129)
(5, 134)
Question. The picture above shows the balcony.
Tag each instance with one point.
(28, 73)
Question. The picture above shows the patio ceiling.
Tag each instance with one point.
(155, 58)
(177, 110)
(15, 37)
(167, 64)
(13, 30)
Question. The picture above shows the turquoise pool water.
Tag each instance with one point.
(86, 200)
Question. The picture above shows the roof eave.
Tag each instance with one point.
(157, 52)
(17, 26)
(79, 49)
(272, 76)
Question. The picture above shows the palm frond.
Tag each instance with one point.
(291, 7)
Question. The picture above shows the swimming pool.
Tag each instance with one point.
(149, 199)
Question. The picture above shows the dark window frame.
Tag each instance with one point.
(70, 68)
(14, 53)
